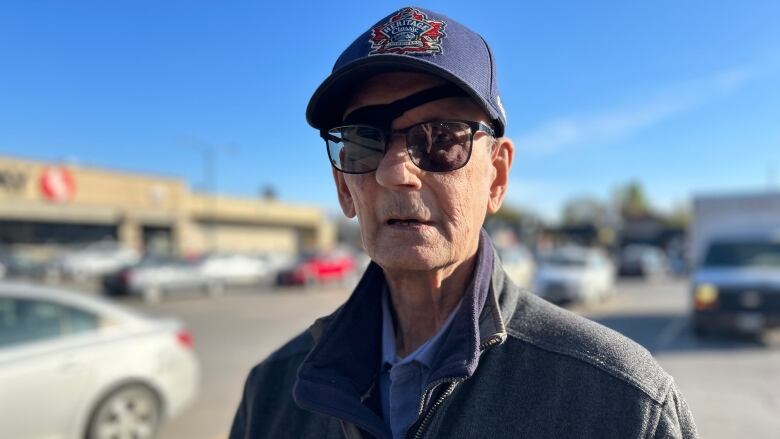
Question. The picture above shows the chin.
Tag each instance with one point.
(409, 258)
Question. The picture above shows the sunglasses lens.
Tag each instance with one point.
(355, 149)
(440, 146)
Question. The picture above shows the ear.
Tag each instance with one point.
(345, 196)
(503, 154)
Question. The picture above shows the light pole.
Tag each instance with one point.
(210, 154)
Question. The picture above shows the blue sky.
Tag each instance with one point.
(682, 96)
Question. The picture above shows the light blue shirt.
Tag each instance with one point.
(403, 380)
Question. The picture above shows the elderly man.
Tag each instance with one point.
(435, 341)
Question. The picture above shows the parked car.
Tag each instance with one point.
(278, 260)
(519, 265)
(16, 264)
(96, 260)
(643, 261)
(155, 276)
(574, 274)
(313, 268)
(235, 268)
(74, 366)
(7, 261)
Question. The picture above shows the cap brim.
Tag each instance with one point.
(327, 105)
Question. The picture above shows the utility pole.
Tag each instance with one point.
(210, 154)
(210, 172)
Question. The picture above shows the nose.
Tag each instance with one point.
(396, 169)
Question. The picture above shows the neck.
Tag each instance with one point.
(422, 301)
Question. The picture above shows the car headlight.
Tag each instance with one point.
(705, 296)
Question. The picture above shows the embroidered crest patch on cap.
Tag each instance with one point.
(408, 32)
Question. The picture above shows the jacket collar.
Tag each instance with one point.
(340, 371)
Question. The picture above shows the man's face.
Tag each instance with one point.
(411, 219)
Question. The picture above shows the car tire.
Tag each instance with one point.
(130, 411)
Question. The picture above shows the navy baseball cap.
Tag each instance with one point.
(415, 40)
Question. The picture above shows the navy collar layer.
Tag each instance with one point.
(341, 371)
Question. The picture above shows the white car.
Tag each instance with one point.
(74, 367)
(156, 276)
(96, 260)
(519, 265)
(235, 268)
(574, 274)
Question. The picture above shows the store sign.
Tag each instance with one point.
(12, 181)
(57, 184)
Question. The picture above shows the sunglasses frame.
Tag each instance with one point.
(475, 127)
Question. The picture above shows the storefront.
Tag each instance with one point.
(47, 206)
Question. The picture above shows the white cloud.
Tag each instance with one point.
(607, 124)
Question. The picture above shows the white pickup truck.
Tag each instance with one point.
(735, 251)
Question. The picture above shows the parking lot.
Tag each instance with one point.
(732, 384)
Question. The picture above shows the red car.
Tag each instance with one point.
(318, 267)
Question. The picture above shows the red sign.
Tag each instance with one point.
(57, 184)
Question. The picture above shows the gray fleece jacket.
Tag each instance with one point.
(531, 370)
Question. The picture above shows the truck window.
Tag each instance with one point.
(743, 254)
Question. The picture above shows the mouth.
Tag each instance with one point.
(406, 223)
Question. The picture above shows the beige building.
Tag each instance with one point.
(49, 205)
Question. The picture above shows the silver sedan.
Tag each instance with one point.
(74, 366)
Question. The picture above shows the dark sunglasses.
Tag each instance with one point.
(436, 146)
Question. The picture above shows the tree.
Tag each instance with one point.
(632, 201)
(584, 210)
(509, 214)
(680, 216)
(268, 192)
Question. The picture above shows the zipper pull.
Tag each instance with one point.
(429, 414)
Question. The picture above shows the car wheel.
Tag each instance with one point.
(130, 412)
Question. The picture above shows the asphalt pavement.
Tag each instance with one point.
(732, 384)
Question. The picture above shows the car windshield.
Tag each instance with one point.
(743, 254)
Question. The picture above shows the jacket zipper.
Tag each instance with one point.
(492, 341)
(421, 429)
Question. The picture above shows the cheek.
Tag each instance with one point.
(356, 185)
(463, 200)
(362, 197)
